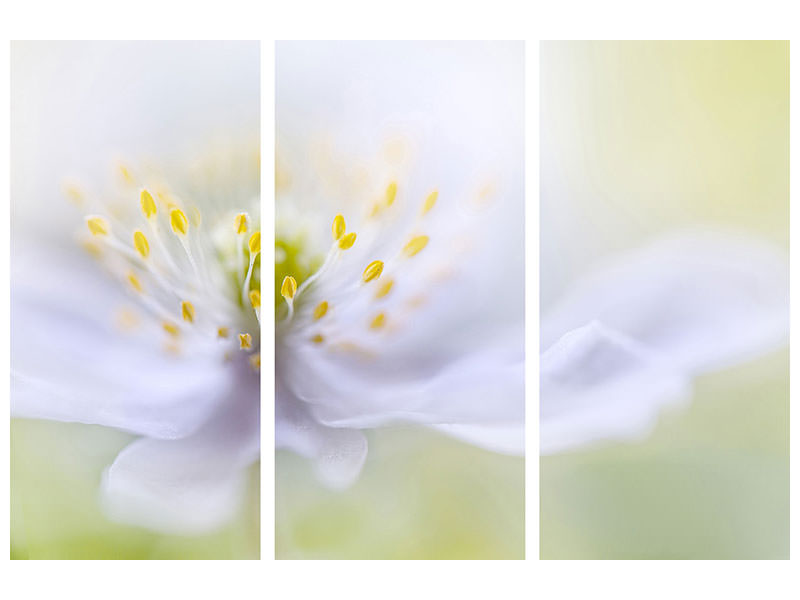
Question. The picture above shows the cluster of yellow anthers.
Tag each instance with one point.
(172, 284)
(343, 241)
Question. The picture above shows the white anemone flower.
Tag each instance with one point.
(399, 246)
(625, 342)
(154, 331)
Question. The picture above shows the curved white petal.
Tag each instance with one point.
(598, 384)
(484, 387)
(505, 439)
(193, 485)
(702, 299)
(70, 363)
(338, 454)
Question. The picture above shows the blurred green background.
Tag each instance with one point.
(421, 496)
(56, 470)
(639, 138)
(712, 482)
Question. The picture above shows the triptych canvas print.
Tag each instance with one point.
(370, 309)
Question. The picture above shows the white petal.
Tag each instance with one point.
(193, 485)
(505, 439)
(478, 388)
(598, 384)
(703, 299)
(338, 453)
(70, 363)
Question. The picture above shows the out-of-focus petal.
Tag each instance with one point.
(193, 485)
(478, 388)
(338, 454)
(703, 299)
(69, 362)
(597, 383)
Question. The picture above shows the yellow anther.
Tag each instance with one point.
(240, 223)
(373, 270)
(391, 193)
(141, 244)
(195, 217)
(178, 221)
(74, 193)
(378, 321)
(98, 225)
(288, 287)
(92, 248)
(255, 361)
(149, 208)
(338, 227)
(320, 310)
(245, 341)
(430, 201)
(171, 328)
(223, 332)
(254, 243)
(135, 283)
(317, 339)
(417, 301)
(384, 288)
(346, 241)
(255, 298)
(187, 311)
(375, 210)
(126, 174)
(126, 319)
(415, 245)
(166, 199)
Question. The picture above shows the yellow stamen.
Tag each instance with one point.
(74, 193)
(92, 248)
(240, 223)
(245, 341)
(135, 283)
(149, 208)
(391, 193)
(171, 328)
(320, 310)
(98, 225)
(223, 332)
(288, 287)
(430, 201)
(126, 174)
(378, 321)
(417, 301)
(415, 245)
(178, 221)
(346, 242)
(187, 311)
(255, 361)
(373, 270)
(338, 227)
(141, 244)
(254, 244)
(255, 298)
(126, 319)
(384, 289)
(317, 339)
(195, 217)
(166, 199)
